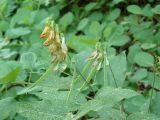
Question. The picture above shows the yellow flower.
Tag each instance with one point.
(45, 32)
(50, 38)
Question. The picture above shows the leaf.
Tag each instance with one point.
(61, 97)
(147, 10)
(54, 82)
(134, 104)
(41, 110)
(113, 14)
(120, 40)
(90, 6)
(105, 98)
(112, 95)
(7, 53)
(7, 107)
(144, 59)
(114, 2)
(156, 9)
(54, 105)
(66, 20)
(139, 75)
(23, 16)
(110, 114)
(4, 25)
(82, 23)
(151, 77)
(81, 43)
(147, 46)
(3, 5)
(92, 105)
(114, 35)
(17, 32)
(95, 30)
(135, 9)
(118, 67)
(133, 50)
(80, 59)
(11, 76)
(95, 16)
(28, 60)
(142, 116)
(155, 104)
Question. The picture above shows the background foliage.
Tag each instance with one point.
(129, 28)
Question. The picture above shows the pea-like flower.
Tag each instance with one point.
(55, 43)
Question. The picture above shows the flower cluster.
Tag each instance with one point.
(99, 56)
(54, 41)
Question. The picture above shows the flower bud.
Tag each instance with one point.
(49, 40)
(45, 32)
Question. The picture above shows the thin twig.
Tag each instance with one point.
(113, 76)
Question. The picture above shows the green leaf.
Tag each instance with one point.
(44, 110)
(144, 59)
(135, 9)
(7, 53)
(156, 9)
(95, 16)
(81, 43)
(90, 6)
(119, 40)
(147, 11)
(133, 50)
(139, 75)
(134, 104)
(155, 104)
(147, 46)
(118, 66)
(114, 35)
(11, 76)
(3, 5)
(66, 20)
(82, 23)
(95, 30)
(17, 32)
(92, 105)
(28, 60)
(113, 14)
(105, 98)
(54, 104)
(23, 16)
(113, 95)
(142, 116)
(7, 108)
(110, 114)
(114, 2)
(4, 25)
(80, 59)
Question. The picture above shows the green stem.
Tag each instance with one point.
(84, 70)
(91, 74)
(114, 79)
(71, 88)
(79, 76)
(105, 72)
(49, 70)
(30, 75)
